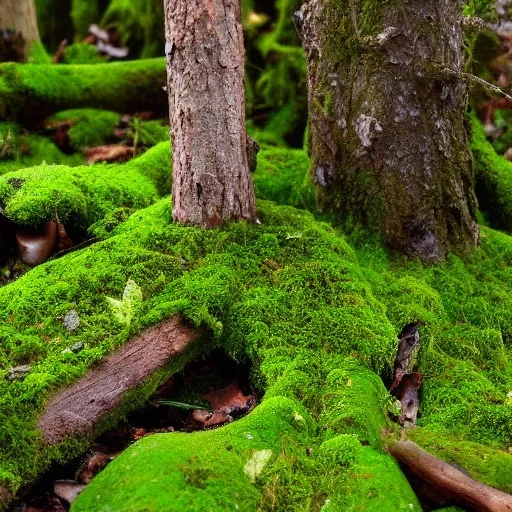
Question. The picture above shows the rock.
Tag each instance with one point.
(71, 323)
(18, 372)
(36, 245)
(67, 489)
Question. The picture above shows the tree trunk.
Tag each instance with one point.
(205, 64)
(389, 139)
(19, 16)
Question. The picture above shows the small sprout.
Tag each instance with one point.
(182, 405)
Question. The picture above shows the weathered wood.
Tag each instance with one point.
(76, 410)
(205, 64)
(449, 483)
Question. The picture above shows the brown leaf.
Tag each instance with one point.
(119, 153)
(138, 433)
(228, 397)
(210, 419)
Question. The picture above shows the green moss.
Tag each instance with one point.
(83, 14)
(316, 315)
(90, 127)
(20, 149)
(33, 91)
(493, 180)
(283, 176)
(82, 53)
(80, 196)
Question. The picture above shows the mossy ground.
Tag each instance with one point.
(317, 315)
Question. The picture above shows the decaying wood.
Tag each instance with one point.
(408, 344)
(76, 410)
(406, 382)
(205, 64)
(447, 482)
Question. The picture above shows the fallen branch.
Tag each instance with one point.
(31, 92)
(448, 483)
(78, 409)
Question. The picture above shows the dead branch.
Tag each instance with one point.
(448, 482)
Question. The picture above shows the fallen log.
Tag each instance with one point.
(31, 92)
(77, 410)
(448, 483)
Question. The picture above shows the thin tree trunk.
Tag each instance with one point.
(389, 140)
(20, 17)
(205, 63)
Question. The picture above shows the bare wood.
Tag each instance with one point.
(205, 65)
(20, 16)
(448, 481)
(76, 410)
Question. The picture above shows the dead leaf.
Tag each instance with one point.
(119, 153)
(211, 419)
(229, 397)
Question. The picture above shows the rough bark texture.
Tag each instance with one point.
(31, 92)
(205, 64)
(20, 17)
(390, 145)
(75, 411)
(450, 485)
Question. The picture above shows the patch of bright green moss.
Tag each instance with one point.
(80, 196)
(282, 175)
(82, 53)
(90, 127)
(493, 180)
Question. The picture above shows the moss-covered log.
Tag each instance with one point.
(389, 144)
(31, 92)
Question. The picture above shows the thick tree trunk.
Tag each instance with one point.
(20, 17)
(389, 141)
(205, 63)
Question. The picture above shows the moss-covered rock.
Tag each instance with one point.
(80, 196)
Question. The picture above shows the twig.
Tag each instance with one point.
(468, 77)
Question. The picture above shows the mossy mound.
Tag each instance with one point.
(493, 180)
(317, 316)
(80, 196)
(89, 127)
(19, 150)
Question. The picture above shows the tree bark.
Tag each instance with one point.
(389, 138)
(20, 17)
(205, 64)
